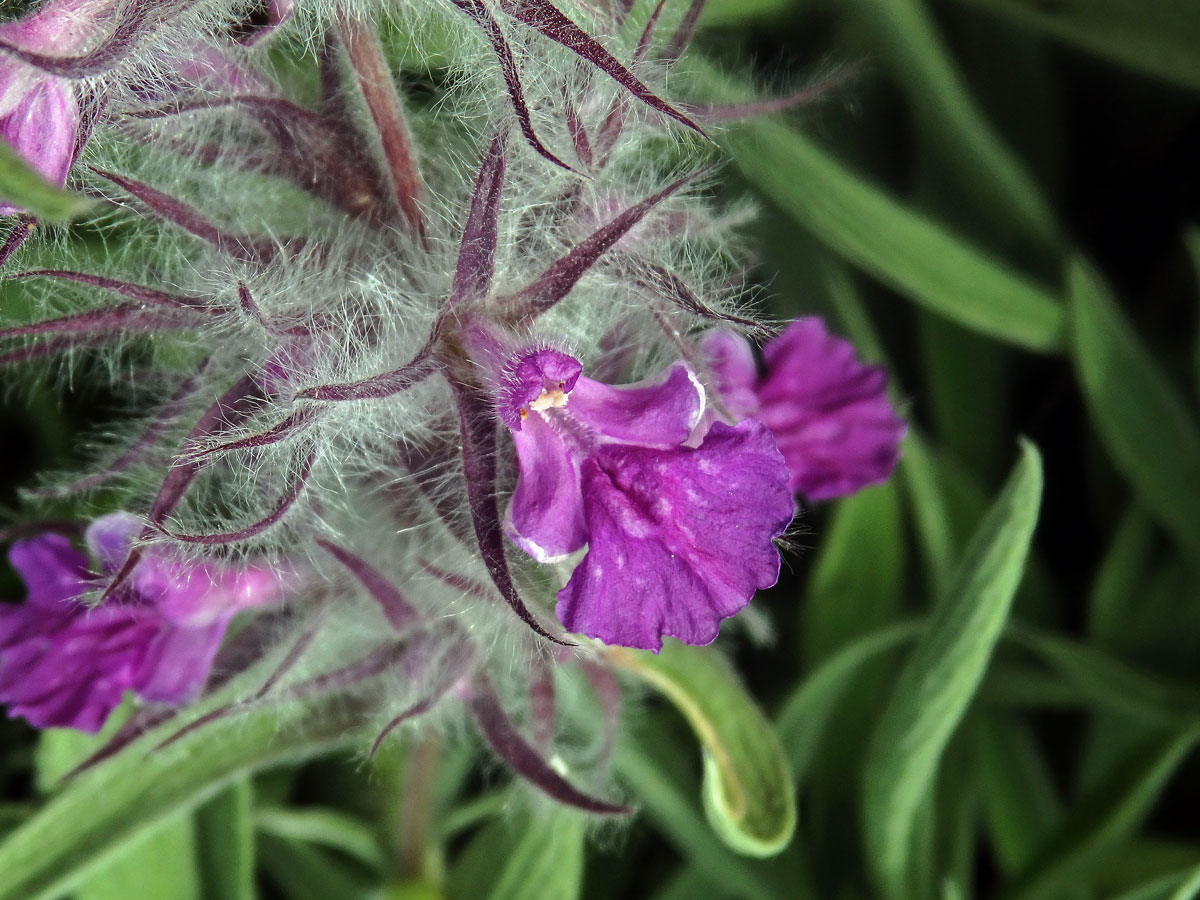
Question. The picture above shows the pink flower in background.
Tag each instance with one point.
(829, 413)
(678, 537)
(67, 665)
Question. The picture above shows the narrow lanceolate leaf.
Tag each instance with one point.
(1151, 434)
(988, 171)
(1157, 38)
(844, 598)
(803, 719)
(1017, 795)
(1106, 816)
(748, 792)
(537, 855)
(22, 187)
(102, 810)
(942, 675)
(225, 844)
(896, 244)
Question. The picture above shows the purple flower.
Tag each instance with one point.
(829, 413)
(679, 537)
(64, 664)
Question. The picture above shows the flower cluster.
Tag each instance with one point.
(365, 328)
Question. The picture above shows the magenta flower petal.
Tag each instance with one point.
(829, 413)
(652, 414)
(545, 518)
(65, 664)
(731, 360)
(51, 568)
(178, 661)
(677, 539)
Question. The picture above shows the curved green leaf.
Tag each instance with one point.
(898, 245)
(748, 792)
(943, 673)
(1151, 434)
(123, 798)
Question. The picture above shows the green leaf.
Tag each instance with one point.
(330, 828)
(943, 673)
(302, 872)
(1190, 888)
(1158, 889)
(652, 781)
(1158, 38)
(160, 863)
(718, 13)
(21, 186)
(99, 812)
(225, 843)
(748, 793)
(1114, 595)
(845, 599)
(1106, 682)
(1150, 433)
(1107, 815)
(802, 721)
(898, 245)
(1020, 804)
(536, 855)
(990, 175)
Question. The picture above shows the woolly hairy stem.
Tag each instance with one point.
(383, 102)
